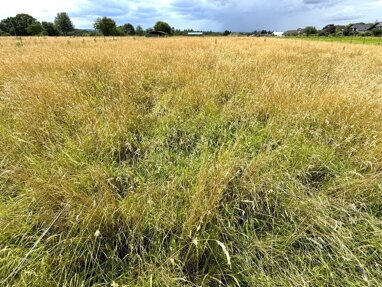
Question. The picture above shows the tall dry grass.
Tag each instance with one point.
(190, 162)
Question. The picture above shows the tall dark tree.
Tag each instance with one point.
(22, 21)
(34, 29)
(163, 26)
(106, 26)
(3, 33)
(139, 31)
(128, 29)
(7, 25)
(50, 29)
(17, 25)
(63, 23)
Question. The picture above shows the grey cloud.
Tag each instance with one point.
(342, 17)
(101, 9)
(320, 2)
(235, 15)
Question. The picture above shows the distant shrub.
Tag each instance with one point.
(2, 33)
(329, 29)
(310, 30)
(347, 32)
(377, 32)
(35, 29)
(368, 34)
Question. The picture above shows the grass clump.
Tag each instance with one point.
(151, 163)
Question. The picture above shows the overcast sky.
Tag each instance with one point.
(235, 15)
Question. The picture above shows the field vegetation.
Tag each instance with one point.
(345, 39)
(190, 162)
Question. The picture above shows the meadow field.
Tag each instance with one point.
(347, 39)
(190, 162)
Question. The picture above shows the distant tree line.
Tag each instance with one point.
(334, 30)
(26, 25)
(108, 27)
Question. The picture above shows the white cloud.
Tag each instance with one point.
(40, 9)
(346, 13)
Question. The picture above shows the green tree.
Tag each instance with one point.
(310, 30)
(106, 26)
(328, 30)
(163, 26)
(226, 33)
(7, 25)
(50, 29)
(17, 26)
(34, 29)
(129, 29)
(265, 32)
(377, 32)
(22, 21)
(3, 33)
(368, 33)
(121, 31)
(347, 31)
(139, 31)
(148, 30)
(63, 23)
